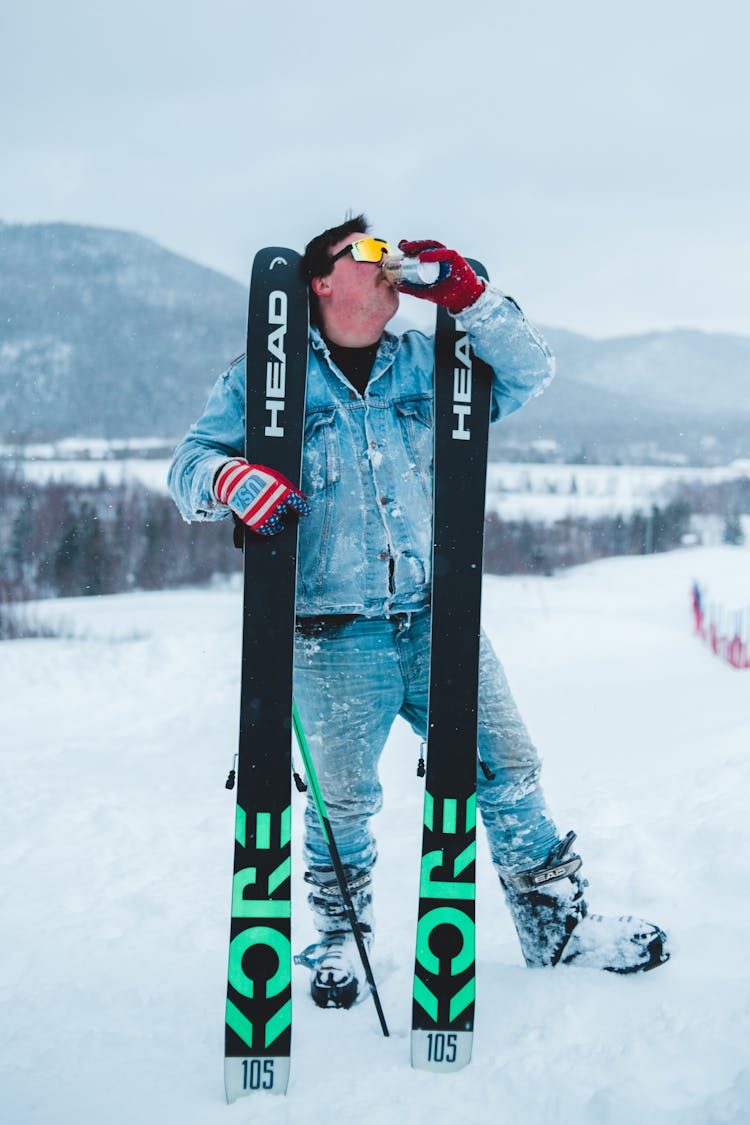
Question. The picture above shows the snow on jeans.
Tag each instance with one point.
(350, 683)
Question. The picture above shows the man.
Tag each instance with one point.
(363, 594)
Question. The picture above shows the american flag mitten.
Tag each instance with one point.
(259, 496)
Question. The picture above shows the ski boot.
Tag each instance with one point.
(555, 927)
(338, 978)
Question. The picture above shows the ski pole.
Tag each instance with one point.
(336, 860)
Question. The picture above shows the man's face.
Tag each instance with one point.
(358, 289)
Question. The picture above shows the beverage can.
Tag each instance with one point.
(414, 272)
(411, 271)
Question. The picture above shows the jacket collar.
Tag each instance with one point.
(389, 344)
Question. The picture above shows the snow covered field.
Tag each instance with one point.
(515, 490)
(116, 857)
(548, 492)
(87, 460)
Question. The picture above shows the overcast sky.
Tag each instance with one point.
(594, 155)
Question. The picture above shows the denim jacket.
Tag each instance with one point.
(366, 546)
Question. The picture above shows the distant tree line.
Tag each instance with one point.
(63, 539)
(527, 547)
(729, 498)
(523, 547)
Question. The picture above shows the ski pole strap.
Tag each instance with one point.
(555, 867)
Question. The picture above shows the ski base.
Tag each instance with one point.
(441, 1051)
(243, 1076)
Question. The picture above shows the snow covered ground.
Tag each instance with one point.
(116, 854)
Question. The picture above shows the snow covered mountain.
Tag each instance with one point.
(105, 334)
(682, 392)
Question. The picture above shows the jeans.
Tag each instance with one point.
(350, 683)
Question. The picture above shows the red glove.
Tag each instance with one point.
(455, 292)
(259, 496)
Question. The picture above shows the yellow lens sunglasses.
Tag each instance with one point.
(364, 250)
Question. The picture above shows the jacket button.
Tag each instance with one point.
(383, 555)
(373, 445)
(383, 499)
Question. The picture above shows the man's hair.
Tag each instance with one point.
(316, 261)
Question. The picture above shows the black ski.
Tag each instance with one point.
(443, 1000)
(259, 1006)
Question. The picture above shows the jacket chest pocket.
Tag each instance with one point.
(415, 421)
(322, 455)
